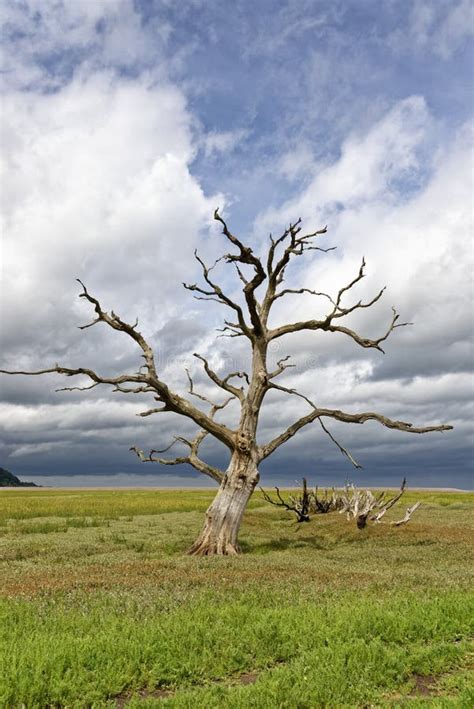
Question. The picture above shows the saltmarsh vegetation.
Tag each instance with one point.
(100, 608)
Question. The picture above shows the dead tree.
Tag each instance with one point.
(363, 505)
(262, 286)
(300, 504)
(306, 502)
(329, 502)
(360, 505)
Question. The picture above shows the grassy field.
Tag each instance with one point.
(99, 606)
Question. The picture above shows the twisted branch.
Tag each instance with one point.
(338, 311)
(246, 256)
(217, 294)
(192, 458)
(300, 506)
(223, 383)
(148, 379)
(344, 451)
(269, 448)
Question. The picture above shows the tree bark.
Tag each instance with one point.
(224, 515)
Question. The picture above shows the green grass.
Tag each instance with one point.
(99, 607)
(27, 504)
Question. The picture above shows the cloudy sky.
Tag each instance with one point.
(124, 124)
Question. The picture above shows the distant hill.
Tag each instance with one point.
(7, 479)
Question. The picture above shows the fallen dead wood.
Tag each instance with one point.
(358, 504)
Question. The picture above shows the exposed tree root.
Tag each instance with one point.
(213, 550)
(208, 546)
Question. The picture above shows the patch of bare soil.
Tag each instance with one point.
(248, 678)
(122, 699)
(425, 685)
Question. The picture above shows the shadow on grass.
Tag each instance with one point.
(284, 543)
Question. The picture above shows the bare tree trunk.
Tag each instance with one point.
(224, 515)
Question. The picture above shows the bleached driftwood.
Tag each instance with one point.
(356, 503)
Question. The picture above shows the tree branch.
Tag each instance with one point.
(298, 291)
(246, 256)
(281, 366)
(193, 445)
(327, 327)
(299, 506)
(222, 383)
(338, 415)
(191, 459)
(344, 451)
(217, 293)
(337, 312)
(70, 372)
(172, 401)
(408, 514)
(297, 246)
